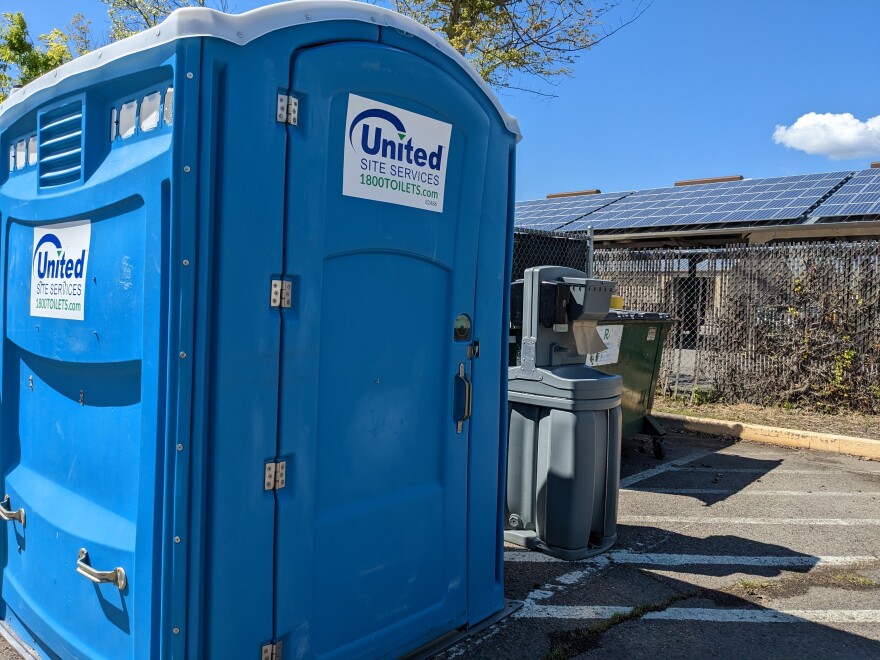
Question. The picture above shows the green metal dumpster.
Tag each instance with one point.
(635, 349)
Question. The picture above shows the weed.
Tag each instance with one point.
(569, 643)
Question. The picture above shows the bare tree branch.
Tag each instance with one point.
(501, 38)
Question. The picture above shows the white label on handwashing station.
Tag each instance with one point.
(394, 156)
(59, 265)
(611, 335)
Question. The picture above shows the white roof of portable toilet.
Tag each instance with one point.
(243, 28)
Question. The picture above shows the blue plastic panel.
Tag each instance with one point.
(82, 382)
(857, 197)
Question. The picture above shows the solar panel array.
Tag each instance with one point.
(549, 214)
(858, 196)
(753, 201)
(738, 202)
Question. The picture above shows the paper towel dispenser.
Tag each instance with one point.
(557, 310)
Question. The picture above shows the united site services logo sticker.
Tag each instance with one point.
(394, 156)
(58, 270)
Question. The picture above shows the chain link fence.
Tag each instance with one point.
(546, 248)
(793, 324)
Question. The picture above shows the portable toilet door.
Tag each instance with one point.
(383, 261)
(395, 166)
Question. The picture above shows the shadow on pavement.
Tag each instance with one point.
(695, 622)
(710, 478)
(714, 556)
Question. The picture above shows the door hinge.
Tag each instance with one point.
(473, 351)
(287, 109)
(275, 476)
(281, 293)
(270, 651)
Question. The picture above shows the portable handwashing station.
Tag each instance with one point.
(565, 419)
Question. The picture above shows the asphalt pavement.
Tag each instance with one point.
(724, 551)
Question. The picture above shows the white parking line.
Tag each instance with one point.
(767, 470)
(561, 583)
(534, 611)
(684, 520)
(664, 559)
(765, 616)
(665, 467)
(765, 493)
(680, 465)
(714, 615)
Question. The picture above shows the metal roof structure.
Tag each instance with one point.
(842, 204)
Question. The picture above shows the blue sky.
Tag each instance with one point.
(693, 88)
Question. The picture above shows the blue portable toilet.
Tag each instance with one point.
(254, 371)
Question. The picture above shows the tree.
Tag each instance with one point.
(22, 60)
(79, 36)
(503, 38)
(128, 17)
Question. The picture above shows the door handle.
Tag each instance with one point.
(8, 515)
(464, 398)
(116, 576)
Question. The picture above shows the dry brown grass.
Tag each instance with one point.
(852, 424)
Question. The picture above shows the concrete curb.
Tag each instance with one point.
(837, 444)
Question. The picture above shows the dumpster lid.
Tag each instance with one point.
(244, 28)
(634, 315)
(572, 381)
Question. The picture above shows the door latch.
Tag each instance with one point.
(464, 394)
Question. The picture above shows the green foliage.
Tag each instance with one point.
(700, 396)
(22, 60)
(704, 395)
(539, 38)
(502, 39)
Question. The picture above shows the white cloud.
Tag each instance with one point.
(839, 137)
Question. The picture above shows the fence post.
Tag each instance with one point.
(590, 245)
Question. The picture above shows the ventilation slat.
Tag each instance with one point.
(74, 137)
(60, 174)
(64, 155)
(61, 144)
(64, 121)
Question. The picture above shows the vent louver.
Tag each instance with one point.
(61, 142)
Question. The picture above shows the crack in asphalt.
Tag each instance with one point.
(570, 643)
